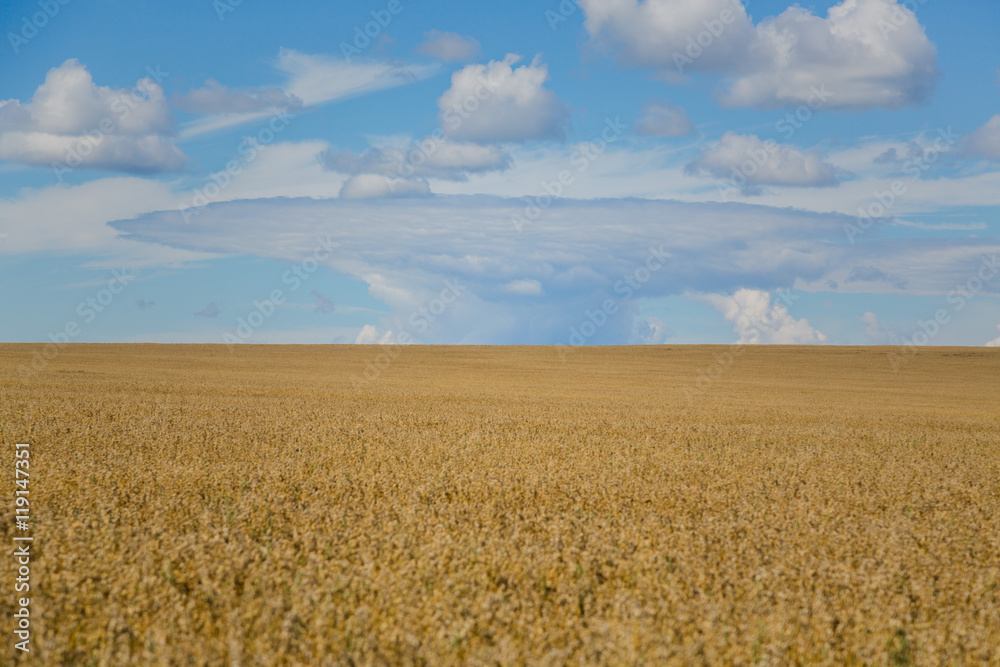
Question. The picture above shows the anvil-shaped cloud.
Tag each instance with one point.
(575, 253)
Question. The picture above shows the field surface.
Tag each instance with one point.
(654, 505)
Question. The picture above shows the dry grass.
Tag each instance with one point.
(499, 506)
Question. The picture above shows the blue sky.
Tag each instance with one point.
(588, 172)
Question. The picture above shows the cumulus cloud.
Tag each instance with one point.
(449, 47)
(995, 342)
(661, 119)
(869, 53)
(402, 169)
(216, 98)
(499, 102)
(71, 122)
(985, 142)
(755, 162)
(69, 102)
(873, 329)
(654, 32)
(376, 186)
(758, 321)
(369, 335)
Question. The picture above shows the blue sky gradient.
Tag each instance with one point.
(587, 151)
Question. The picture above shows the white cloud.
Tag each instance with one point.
(369, 335)
(985, 141)
(661, 119)
(652, 170)
(922, 196)
(995, 342)
(315, 80)
(763, 163)
(650, 33)
(524, 288)
(579, 250)
(147, 154)
(377, 186)
(868, 53)
(656, 170)
(72, 122)
(318, 79)
(498, 102)
(64, 219)
(468, 157)
(449, 47)
(943, 226)
(427, 158)
(928, 266)
(280, 169)
(68, 102)
(651, 331)
(73, 218)
(874, 330)
(759, 322)
(216, 98)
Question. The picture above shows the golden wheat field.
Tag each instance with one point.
(507, 506)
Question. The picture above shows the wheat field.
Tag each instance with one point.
(508, 506)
